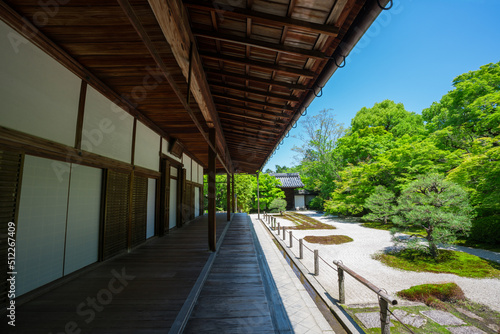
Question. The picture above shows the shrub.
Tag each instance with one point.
(277, 205)
(486, 230)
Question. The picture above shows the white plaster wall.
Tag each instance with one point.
(147, 148)
(38, 95)
(186, 161)
(173, 203)
(107, 129)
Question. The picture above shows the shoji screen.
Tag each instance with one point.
(41, 224)
(172, 220)
(196, 201)
(82, 232)
(150, 225)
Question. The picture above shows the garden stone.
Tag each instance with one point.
(469, 314)
(370, 319)
(465, 330)
(410, 319)
(443, 318)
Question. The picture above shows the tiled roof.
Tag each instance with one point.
(289, 180)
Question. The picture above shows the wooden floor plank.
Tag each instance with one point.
(234, 298)
(163, 270)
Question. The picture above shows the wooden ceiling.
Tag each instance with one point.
(252, 66)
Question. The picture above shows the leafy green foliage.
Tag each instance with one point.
(391, 116)
(438, 206)
(382, 203)
(386, 145)
(278, 205)
(268, 191)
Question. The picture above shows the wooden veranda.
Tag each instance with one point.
(112, 111)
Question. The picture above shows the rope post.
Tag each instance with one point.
(341, 285)
(284, 233)
(301, 249)
(274, 221)
(316, 262)
(291, 239)
(385, 319)
(278, 228)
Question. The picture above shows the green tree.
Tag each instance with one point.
(391, 116)
(438, 206)
(268, 190)
(382, 204)
(245, 188)
(469, 111)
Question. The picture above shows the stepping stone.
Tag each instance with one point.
(465, 330)
(469, 314)
(370, 319)
(409, 318)
(443, 318)
(496, 328)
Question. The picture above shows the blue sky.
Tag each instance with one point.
(410, 55)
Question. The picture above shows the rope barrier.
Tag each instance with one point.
(329, 265)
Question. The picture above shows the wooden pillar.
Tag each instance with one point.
(228, 195)
(258, 197)
(233, 195)
(212, 242)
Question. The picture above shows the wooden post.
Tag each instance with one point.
(284, 234)
(212, 242)
(301, 249)
(278, 228)
(316, 262)
(228, 196)
(233, 195)
(341, 285)
(385, 319)
(258, 197)
(291, 239)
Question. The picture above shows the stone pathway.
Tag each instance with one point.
(452, 323)
(302, 311)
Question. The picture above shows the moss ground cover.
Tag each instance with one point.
(328, 239)
(453, 262)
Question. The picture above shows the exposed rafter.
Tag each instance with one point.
(256, 110)
(261, 44)
(287, 70)
(269, 19)
(256, 92)
(260, 103)
(245, 115)
(256, 79)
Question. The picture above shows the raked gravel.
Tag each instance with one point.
(357, 255)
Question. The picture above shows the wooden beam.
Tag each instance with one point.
(260, 64)
(81, 111)
(264, 104)
(174, 23)
(212, 228)
(276, 47)
(249, 121)
(256, 92)
(233, 198)
(290, 86)
(268, 19)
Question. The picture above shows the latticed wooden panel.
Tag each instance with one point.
(117, 213)
(10, 177)
(139, 210)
